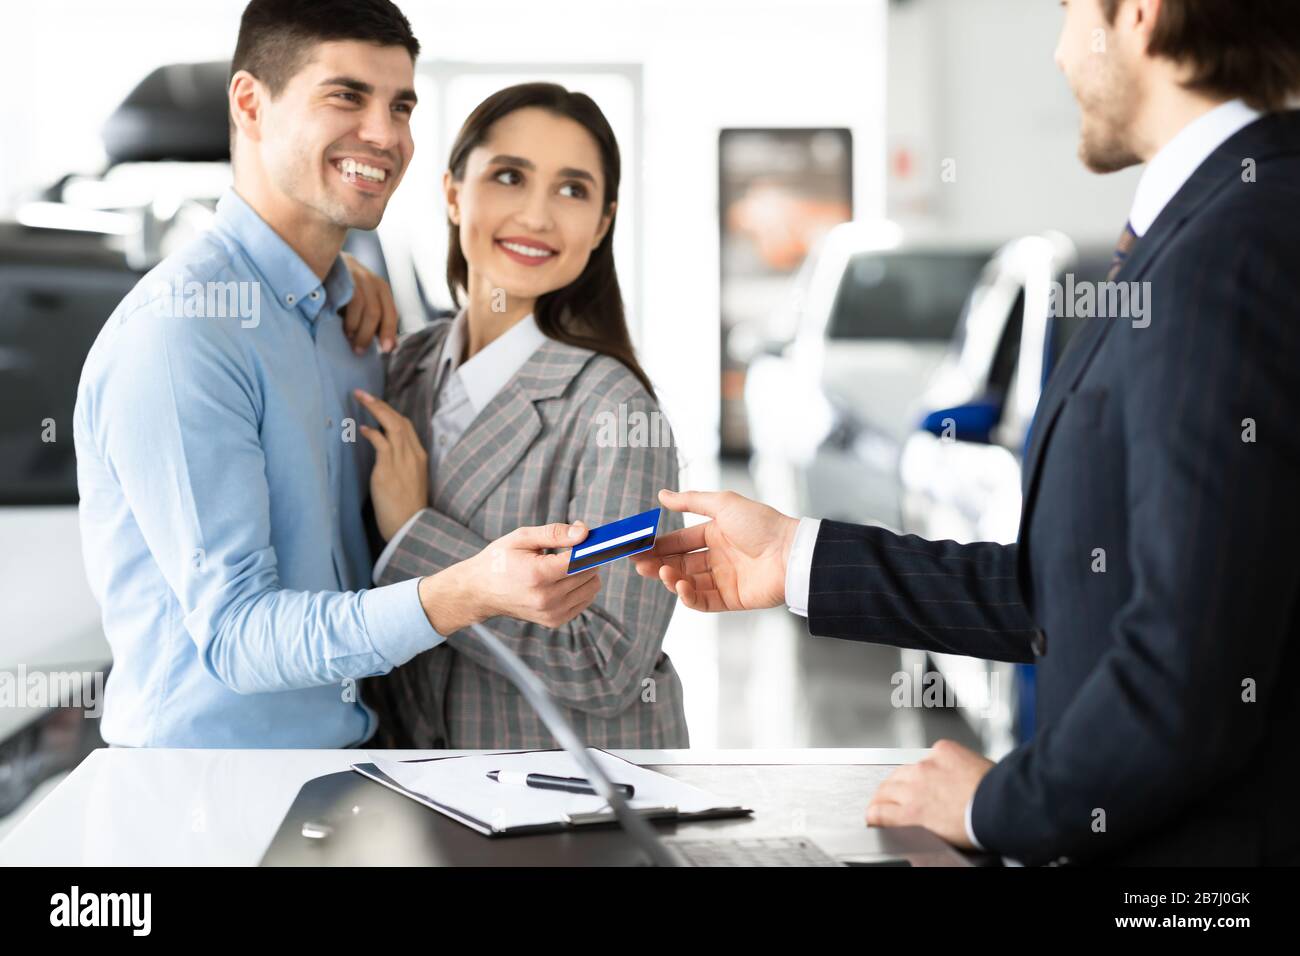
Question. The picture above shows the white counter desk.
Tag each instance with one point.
(222, 807)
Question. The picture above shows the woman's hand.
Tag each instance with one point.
(370, 311)
(512, 577)
(399, 483)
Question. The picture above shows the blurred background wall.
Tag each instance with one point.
(974, 81)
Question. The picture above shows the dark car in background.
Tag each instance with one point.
(68, 255)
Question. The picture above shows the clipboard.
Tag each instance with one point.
(567, 821)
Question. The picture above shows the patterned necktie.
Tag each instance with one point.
(1126, 242)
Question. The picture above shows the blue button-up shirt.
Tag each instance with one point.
(222, 479)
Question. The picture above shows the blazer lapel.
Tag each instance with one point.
(411, 376)
(503, 431)
(1262, 139)
(1077, 358)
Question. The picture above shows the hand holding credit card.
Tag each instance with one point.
(615, 540)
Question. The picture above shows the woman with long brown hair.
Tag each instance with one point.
(523, 402)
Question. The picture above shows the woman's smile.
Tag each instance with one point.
(527, 252)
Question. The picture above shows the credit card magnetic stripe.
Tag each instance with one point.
(632, 547)
(583, 550)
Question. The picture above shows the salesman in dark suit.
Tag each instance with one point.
(1168, 723)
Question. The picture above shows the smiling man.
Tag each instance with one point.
(221, 474)
(321, 130)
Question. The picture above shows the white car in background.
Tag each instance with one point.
(960, 470)
(835, 389)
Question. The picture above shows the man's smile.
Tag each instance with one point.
(367, 175)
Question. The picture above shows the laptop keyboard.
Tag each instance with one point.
(757, 851)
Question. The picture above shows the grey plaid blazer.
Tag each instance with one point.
(531, 457)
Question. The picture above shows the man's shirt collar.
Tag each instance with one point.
(1171, 168)
(289, 279)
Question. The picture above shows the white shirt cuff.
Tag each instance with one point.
(970, 830)
(387, 554)
(799, 568)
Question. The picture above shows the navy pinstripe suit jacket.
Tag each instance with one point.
(1163, 683)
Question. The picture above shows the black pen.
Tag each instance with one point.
(544, 781)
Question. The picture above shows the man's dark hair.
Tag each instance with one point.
(276, 37)
(1236, 48)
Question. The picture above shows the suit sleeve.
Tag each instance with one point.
(596, 663)
(1179, 701)
(869, 584)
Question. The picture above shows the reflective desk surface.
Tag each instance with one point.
(128, 807)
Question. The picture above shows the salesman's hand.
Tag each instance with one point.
(399, 482)
(746, 548)
(514, 577)
(371, 310)
(931, 793)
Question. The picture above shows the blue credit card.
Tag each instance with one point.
(615, 540)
